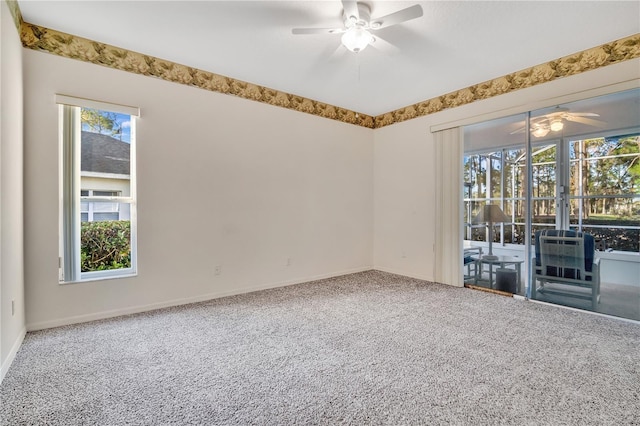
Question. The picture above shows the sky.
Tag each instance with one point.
(121, 121)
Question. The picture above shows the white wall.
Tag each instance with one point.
(109, 184)
(105, 184)
(404, 206)
(221, 181)
(404, 210)
(12, 324)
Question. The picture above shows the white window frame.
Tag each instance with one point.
(90, 200)
(70, 197)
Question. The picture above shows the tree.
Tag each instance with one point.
(610, 166)
(102, 122)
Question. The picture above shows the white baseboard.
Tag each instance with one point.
(184, 301)
(12, 353)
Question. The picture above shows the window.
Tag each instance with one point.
(596, 193)
(96, 211)
(495, 177)
(97, 185)
(604, 190)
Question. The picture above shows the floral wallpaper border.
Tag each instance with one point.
(15, 13)
(587, 60)
(70, 46)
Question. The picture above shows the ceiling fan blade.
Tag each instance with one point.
(398, 17)
(584, 114)
(351, 9)
(587, 121)
(383, 45)
(337, 53)
(299, 31)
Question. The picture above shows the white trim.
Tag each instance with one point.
(69, 148)
(184, 301)
(90, 103)
(544, 103)
(133, 194)
(102, 276)
(12, 353)
(105, 175)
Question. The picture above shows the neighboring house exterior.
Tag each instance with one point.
(105, 172)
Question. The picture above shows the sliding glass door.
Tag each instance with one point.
(494, 167)
(581, 187)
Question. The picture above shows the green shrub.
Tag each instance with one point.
(105, 245)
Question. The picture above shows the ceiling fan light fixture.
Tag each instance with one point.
(356, 39)
(540, 131)
(556, 125)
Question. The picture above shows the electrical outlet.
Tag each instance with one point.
(13, 307)
(288, 261)
(217, 270)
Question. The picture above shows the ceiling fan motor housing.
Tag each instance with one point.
(363, 18)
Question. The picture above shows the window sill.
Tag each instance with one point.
(101, 276)
(623, 256)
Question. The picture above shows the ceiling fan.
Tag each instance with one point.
(357, 24)
(554, 121)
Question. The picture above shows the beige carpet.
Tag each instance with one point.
(368, 348)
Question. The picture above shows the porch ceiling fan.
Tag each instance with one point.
(555, 120)
(357, 24)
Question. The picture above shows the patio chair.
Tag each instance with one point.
(566, 258)
(471, 265)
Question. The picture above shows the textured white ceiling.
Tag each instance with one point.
(454, 45)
